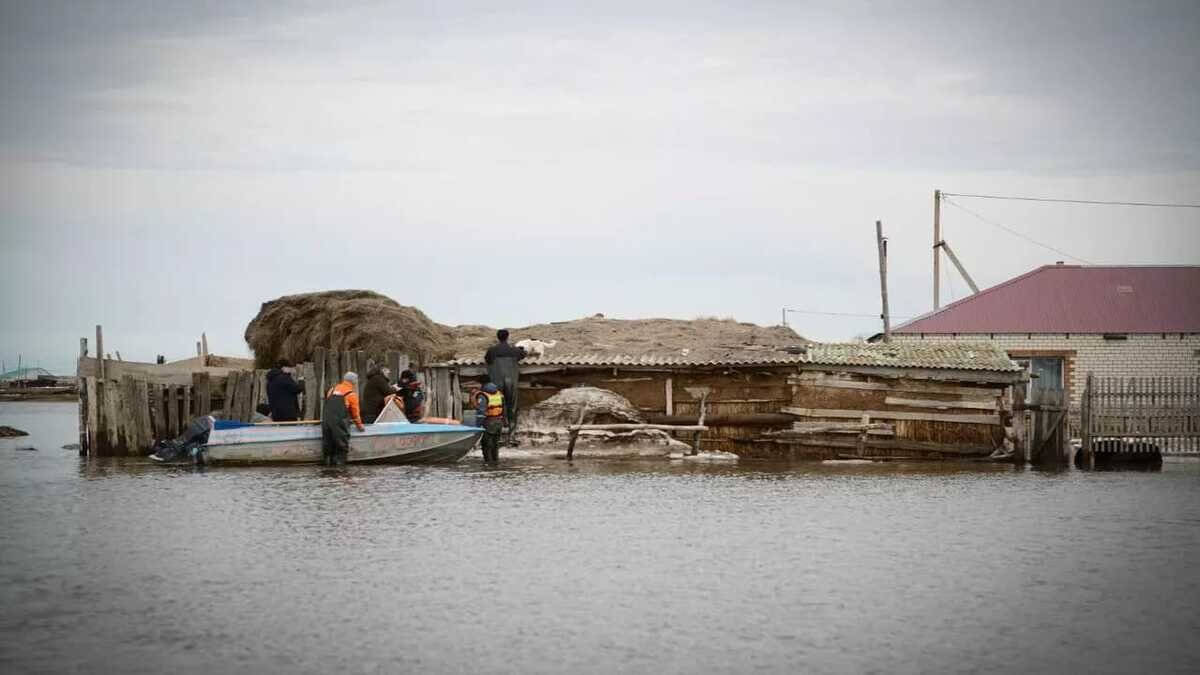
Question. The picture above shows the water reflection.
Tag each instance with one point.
(543, 565)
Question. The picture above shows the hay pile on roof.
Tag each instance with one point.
(294, 326)
(699, 339)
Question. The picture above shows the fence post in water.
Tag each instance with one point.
(172, 410)
(156, 412)
(145, 431)
(245, 401)
(93, 418)
(1085, 422)
(99, 374)
(231, 383)
(202, 392)
(333, 373)
(81, 383)
(312, 389)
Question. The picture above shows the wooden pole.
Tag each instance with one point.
(204, 349)
(937, 237)
(670, 394)
(881, 243)
(202, 392)
(574, 432)
(83, 403)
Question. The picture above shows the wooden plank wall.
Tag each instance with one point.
(125, 411)
(924, 418)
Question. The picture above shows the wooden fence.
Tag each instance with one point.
(1144, 413)
(125, 411)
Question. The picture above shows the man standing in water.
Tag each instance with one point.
(502, 359)
(340, 407)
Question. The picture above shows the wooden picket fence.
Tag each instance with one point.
(125, 409)
(1144, 413)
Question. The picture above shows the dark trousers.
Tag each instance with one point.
(492, 428)
(509, 389)
(335, 443)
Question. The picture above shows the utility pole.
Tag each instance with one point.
(783, 312)
(937, 239)
(882, 244)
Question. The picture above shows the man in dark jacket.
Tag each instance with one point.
(412, 396)
(378, 388)
(502, 359)
(283, 392)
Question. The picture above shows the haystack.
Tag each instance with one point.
(294, 326)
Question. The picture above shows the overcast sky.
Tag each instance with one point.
(165, 167)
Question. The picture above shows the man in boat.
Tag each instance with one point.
(490, 409)
(412, 396)
(502, 359)
(378, 388)
(339, 409)
(283, 392)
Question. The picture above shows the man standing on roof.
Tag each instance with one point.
(340, 407)
(502, 359)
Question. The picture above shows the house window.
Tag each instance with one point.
(1046, 372)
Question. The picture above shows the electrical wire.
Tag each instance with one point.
(854, 314)
(1013, 232)
(1075, 201)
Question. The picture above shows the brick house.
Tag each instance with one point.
(1064, 321)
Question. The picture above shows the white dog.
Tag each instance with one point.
(536, 347)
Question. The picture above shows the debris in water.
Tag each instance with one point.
(71, 446)
(27, 449)
(9, 432)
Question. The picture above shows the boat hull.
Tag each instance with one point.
(379, 444)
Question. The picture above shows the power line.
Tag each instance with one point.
(1075, 201)
(810, 311)
(1012, 231)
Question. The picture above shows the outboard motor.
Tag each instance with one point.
(188, 445)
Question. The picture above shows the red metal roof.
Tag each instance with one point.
(1076, 299)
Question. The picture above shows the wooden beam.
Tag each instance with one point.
(634, 427)
(899, 386)
(890, 444)
(893, 415)
(932, 374)
(939, 405)
(737, 419)
(670, 397)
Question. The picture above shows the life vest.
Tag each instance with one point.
(495, 404)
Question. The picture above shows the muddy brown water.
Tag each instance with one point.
(594, 566)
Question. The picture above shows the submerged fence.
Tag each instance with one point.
(1141, 414)
(124, 408)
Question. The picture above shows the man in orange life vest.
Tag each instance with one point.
(340, 407)
(490, 409)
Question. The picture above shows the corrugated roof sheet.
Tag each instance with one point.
(928, 354)
(1075, 299)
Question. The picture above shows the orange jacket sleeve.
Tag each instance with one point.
(352, 406)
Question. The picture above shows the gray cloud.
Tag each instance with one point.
(679, 159)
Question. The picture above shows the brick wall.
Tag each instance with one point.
(1137, 356)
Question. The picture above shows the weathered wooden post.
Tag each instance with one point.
(574, 432)
(202, 392)
(1085, 424)
(312, 390)
(81, 382)
(101, 430)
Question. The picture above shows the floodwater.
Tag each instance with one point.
(595, 566)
